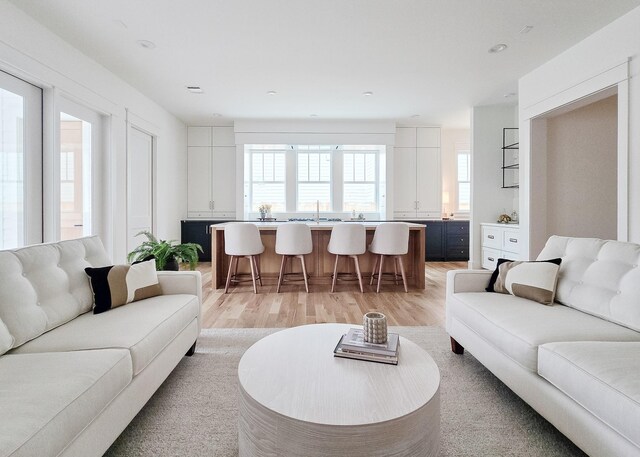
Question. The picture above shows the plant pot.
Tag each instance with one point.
(171, 265)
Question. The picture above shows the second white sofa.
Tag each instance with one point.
(71, 380)
(577, 362)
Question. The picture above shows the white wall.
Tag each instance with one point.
(607, 58)
(32, 52)
(488, 199)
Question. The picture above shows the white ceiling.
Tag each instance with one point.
(425, 57)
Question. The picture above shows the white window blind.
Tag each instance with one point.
(360, 179)
(464, 180)
(314, 178)
(268, 174)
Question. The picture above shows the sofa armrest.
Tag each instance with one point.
(467, 281)
(182, 282)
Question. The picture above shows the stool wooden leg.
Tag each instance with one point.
(404, 278)
(284, 261)
(253, 274)
(335, 274)
(373, 272)
(355, 259)
(256, 262)
(304, 273)
(226, 287)
(380, 273)
(395, 271)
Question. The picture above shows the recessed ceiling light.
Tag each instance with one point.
(367, 93)
(146, 44)
(509, 94)
(271, 92)
(497, 48)
(415, 115)
(526, 29)
(195, 89)
(216, 114)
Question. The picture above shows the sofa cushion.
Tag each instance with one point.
(532, 280)
(117, 285)
(604, 378)
(516, 326)
(44, 286)
(6, 340)
(48, 399)
(598, 277)
(144, 327)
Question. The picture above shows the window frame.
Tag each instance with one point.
(463, 150)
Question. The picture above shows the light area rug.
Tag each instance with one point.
(194, 412)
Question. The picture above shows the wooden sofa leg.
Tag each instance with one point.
(192, 350)
(456, 347)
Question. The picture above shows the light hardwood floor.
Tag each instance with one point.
(293, 306)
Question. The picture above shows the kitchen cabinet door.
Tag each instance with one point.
(199, 182)
(404, 182)
(224, 182)
(428, 188)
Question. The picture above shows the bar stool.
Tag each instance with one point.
(347, 239)
(293, 240)
(242, 240)
(390, 239)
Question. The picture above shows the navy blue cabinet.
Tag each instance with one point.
(197, 231)
(446, 240)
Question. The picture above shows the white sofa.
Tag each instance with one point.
(577, 362)
(71, 380)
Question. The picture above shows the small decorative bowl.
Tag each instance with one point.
(374, 326)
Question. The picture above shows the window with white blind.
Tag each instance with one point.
(313, 178)
(464, 180)
(360, 174)
(268, 177)
(304, 178)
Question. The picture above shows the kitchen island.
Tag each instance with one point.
(320, 262)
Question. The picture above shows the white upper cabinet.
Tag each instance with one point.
(199, 136)
(417, 173)
(428, 137)
(211, 163)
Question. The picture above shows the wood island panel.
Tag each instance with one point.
(320, 262)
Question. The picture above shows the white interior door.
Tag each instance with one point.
(140, 171)
(20, 162)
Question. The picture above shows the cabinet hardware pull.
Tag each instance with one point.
(491, 259)
(491, 237)
(513, 240)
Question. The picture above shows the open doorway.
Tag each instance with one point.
(574, 169)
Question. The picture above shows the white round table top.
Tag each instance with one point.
(294, 373)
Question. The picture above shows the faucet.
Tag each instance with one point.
(317, 211)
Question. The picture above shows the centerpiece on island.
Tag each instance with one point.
(265, 211)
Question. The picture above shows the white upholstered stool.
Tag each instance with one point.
(293, 240)
(242, 240)
(347, 239)
(390, 239)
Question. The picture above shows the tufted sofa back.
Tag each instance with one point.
(44, 286)
(598, 277)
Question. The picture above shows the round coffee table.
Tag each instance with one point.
(297, 399)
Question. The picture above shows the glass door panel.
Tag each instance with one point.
(75, 177)
(20, 162)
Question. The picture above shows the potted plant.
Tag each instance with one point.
(166, 253)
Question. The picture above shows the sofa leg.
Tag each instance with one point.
(192, 350)
(456, 347)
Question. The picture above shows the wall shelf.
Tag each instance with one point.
(510, 158)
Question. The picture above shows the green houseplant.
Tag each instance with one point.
(166, 253)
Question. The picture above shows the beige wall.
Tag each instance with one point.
(582, 171)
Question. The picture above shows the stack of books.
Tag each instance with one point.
(353, 346)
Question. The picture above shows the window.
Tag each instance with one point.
(267, 171)
(464, 180)
(360, 179)
(314, 178)
(303, 178)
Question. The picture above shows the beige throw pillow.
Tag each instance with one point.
(532, 280)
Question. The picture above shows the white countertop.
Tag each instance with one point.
(322, 225)
(499, 224)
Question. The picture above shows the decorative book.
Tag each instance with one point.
(352, 346)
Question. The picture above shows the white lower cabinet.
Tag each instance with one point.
(499, 241)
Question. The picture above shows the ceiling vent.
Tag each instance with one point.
(195, 89)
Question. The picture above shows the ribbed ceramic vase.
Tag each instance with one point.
(375, 328)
